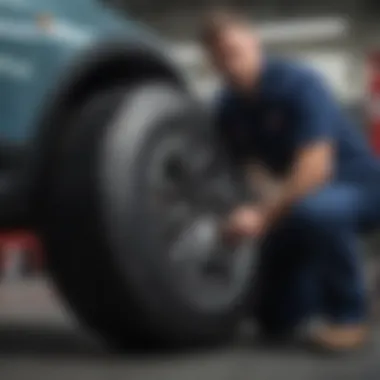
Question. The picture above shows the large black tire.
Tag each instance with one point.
(100, 233)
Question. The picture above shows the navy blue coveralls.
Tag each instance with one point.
(309, 263)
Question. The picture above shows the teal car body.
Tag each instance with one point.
(54, 53)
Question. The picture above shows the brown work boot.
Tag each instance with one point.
(340, 338)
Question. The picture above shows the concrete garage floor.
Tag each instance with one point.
(38, 341)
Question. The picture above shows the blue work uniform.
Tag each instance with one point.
(309, 264)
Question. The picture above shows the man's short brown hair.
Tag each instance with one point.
(215, 21)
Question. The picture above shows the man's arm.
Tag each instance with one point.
(315, 134)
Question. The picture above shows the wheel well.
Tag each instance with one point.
(118, 70)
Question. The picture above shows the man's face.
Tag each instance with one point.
(236, 55)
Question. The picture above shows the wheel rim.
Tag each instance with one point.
(190, 192)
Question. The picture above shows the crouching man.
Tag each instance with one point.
(279, 116)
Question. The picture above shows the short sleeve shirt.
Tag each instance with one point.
(290, 108)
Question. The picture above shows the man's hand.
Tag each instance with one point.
(243, 222)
